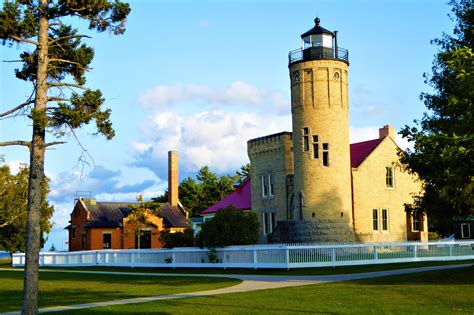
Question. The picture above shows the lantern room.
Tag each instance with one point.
(318, 43)
(317, 37)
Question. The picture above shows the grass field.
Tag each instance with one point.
(440, 292)
(67, 289)
(320, 271)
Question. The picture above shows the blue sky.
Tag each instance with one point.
(203, 77)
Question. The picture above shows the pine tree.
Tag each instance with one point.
(57, 105)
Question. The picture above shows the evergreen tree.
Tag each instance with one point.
(58, 56)
(443, 154)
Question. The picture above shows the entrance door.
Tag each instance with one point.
(145, 240)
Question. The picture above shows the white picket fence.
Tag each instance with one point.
(284, 256)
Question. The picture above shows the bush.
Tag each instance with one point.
(433, 236)
(229, 227)
(177, 239)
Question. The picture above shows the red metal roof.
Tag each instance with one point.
(360, 150)
(240, 198)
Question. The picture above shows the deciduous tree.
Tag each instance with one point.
(60, 101)
(229, 227)
(13, 209)
(443, 154)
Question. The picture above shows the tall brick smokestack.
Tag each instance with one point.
(173, 177)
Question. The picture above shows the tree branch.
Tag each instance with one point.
(67, 84)
(66, 61)
(18, 142)
(58, 99)
(54, 143)
(19, 39)
(16, 108)
(67, 37)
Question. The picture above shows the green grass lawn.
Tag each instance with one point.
(440, 292)
(282, 272)
(66, 289)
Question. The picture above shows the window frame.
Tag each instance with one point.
(415, 219)
(326, 154)
(73, 232)
(385, 221)
(315, 147)
(389, 178)
(271, 185)
(267, 219)
(264, 185)
(103, 240)
(468, 230)
(305, 132)
(375, 220)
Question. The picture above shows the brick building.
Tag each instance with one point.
(109, 225)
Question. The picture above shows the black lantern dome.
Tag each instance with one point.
(318, 43)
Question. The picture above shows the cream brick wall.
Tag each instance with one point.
(319, 100)
(270, 155)
(370, 192)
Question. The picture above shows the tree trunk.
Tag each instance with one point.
(33, 229)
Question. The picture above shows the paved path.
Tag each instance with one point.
(249, 283)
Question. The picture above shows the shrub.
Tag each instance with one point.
(229, 227)
(177, 239)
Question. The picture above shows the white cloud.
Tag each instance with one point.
(217, 139)
(15, 165)
(165, 97)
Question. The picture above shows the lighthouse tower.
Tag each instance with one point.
(320, 117)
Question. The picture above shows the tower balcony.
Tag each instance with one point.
(318, 53)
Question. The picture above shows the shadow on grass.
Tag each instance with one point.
(461, 276)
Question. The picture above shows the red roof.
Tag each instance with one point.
(360, 150)
(240, 198)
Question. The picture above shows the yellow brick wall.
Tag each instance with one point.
(319, 100)
(270, 155)
(370, 192)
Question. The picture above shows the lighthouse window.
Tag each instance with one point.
(325, 154)
(264, 186)
(315, 147)
(271, 184)
(305, 133)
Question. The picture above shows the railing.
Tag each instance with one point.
(284, 256)
(317, 53)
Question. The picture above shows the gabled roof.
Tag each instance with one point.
(107, 214)
(240, 198)
(361, 150)
(172, 216)
(111, 214)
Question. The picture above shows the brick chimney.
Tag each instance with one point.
(387, 130)
(173, 177)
